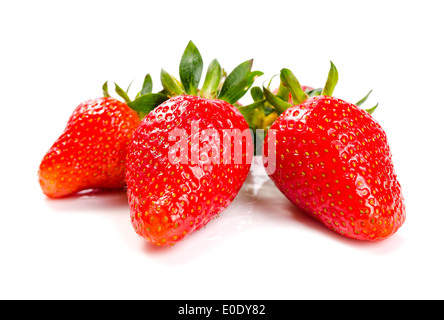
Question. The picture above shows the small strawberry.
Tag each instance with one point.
(91, 151)
(173, 195)
(333, 161)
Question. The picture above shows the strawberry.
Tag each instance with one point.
(172, 195)
(91, 151)
(333, 162)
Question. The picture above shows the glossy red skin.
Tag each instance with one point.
(91, 151)
(333, 162)
(169, 201)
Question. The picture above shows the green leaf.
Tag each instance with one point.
(279, 104)
(190, 69)
(147, 102)
(256, 93)
(332, 80)
(360, 102)
(105, 90)
(289, 80)
(212, 80)
(147, 86)
(371, 110)
(238, 82)
(122, 93)
(171, 85)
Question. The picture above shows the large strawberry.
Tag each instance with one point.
(91, 151)
(332, 160)
(188, 159)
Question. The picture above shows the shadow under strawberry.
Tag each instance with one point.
(99, 200)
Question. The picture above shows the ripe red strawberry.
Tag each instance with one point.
(91, 151)
(333, 161)
(169, 198)
(177, 186)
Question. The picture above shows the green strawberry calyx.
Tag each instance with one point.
(290, 84)
(145, 100)
(217, 84)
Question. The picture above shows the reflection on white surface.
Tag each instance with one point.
(261, 213)
(259, 209)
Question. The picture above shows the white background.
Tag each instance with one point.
(56, 54)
